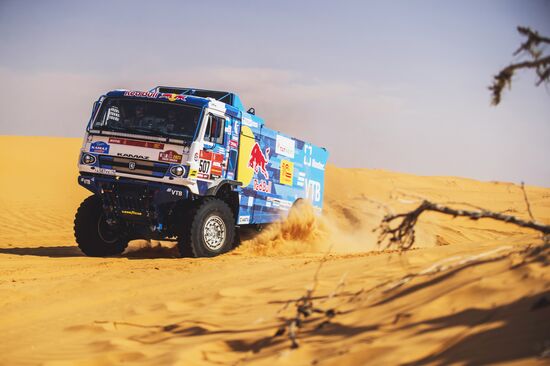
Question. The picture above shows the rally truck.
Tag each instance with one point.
(188, 165)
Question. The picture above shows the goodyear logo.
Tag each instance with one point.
(131, 212)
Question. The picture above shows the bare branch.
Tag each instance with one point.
(404, 235)
(504, 77)
(533, 40)
(527, 202)
(537, 61)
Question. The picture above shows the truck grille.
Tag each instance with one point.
(140, 167)
(133, 202)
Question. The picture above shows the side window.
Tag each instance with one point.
(215, 129)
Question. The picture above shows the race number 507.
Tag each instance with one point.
(204, 166)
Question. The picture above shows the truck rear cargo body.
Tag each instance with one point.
(155, 160)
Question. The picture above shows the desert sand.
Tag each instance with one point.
(469, 292)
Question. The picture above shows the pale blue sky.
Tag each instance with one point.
(398, 85)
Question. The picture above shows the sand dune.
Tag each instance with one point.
(470, 292)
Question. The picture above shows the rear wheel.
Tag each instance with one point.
(94, 236)
(211, 231)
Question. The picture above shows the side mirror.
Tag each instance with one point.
(251, 111)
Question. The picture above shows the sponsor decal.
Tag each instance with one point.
(140, 94)
(132, 156)
(276, 202)
(205, 163)
(287, 172)
(308, 150)
(128, 142)
(193, 173)
(258, 160)
(313, 190)
(131, 212)
(285, 146)
(196, 157)
(261, 185)
(250, 123)
(106, 171)
(210, 165)
(175, 192)
(113, 114)
(301, 179)
(86, 181)
(243, 220)
(217, 168)
(233, 144)
(204, 154)
(173, 97)
(99, 147)
(317, 164)
(170, 156)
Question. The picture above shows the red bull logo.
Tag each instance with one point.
(258, 160)
(172, 97)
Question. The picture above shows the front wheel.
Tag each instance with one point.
(94, 236)
(211, 230)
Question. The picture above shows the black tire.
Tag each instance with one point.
(92, 233)
(210, 231)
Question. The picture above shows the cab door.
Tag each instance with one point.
(213, 157)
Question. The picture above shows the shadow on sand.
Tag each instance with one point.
(69, 251)
(520, 331)
(53, 252)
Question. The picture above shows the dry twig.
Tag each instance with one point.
(404, 235)
(538, 62)
(304, 309)
(527, 201)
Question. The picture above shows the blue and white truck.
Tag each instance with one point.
(188, 165)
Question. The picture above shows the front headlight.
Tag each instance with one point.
(177, 170)
(87, 159)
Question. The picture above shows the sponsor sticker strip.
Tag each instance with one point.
(170, 156)
(129, 142)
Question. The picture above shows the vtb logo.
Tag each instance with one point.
(258, 160)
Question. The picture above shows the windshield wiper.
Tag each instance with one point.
(175, 135)
(113, 128)
(140, 129)
(169, 134)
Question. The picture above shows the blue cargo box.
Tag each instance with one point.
(275, 171)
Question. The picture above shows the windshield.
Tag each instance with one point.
(146, 117)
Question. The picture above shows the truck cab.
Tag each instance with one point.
(189, 165)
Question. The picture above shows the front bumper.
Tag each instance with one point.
(134, 200)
